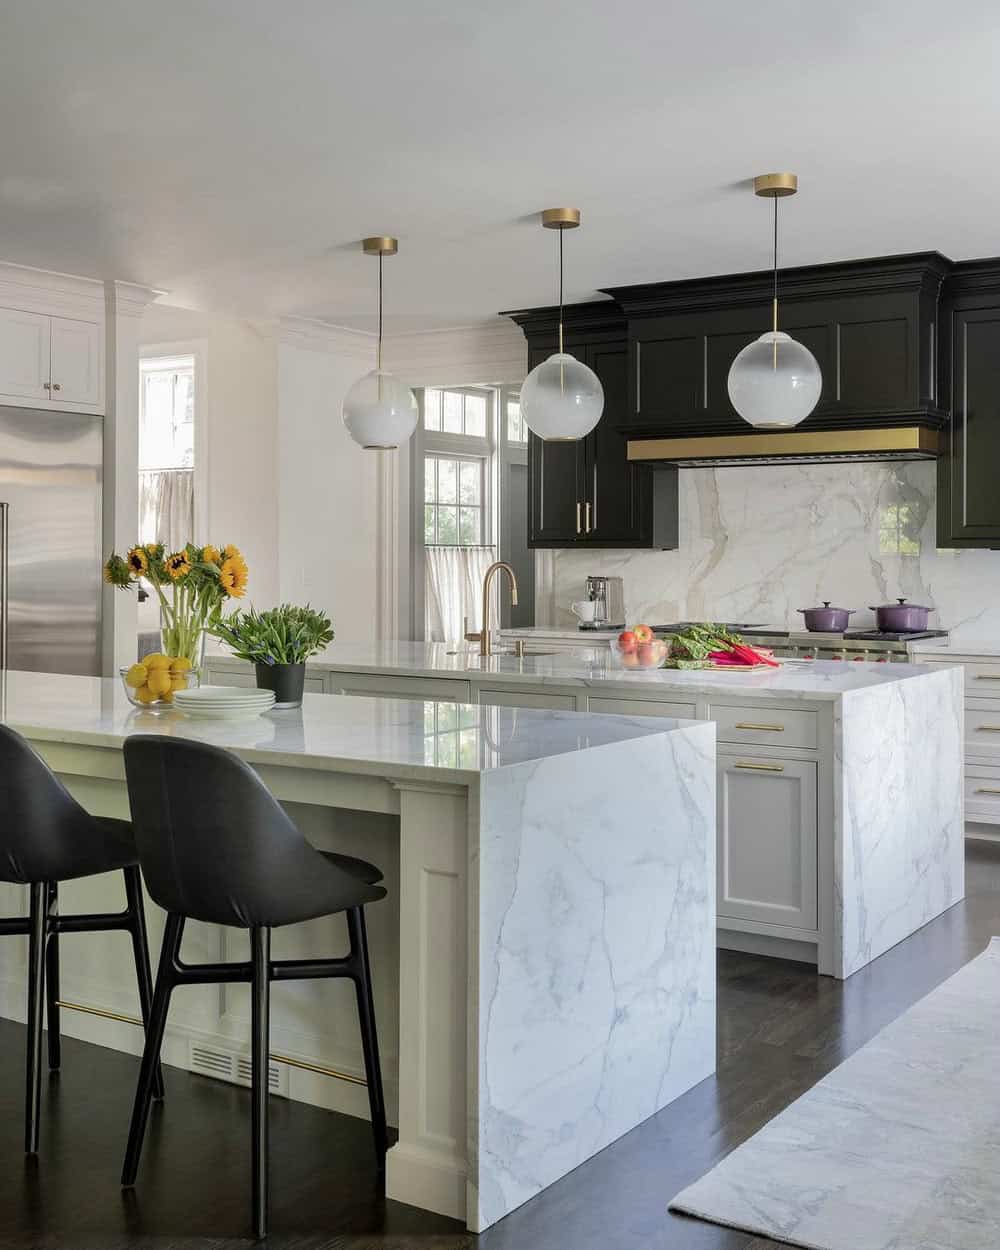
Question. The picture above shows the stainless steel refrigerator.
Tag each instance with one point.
(50, 541)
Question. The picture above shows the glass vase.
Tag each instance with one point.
(183, 641)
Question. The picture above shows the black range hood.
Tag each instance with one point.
(871, 324)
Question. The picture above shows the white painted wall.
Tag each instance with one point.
(242, 422)
(327, 484)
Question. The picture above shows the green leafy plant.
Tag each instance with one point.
(282, 635)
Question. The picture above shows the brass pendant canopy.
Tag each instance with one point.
(775, 186)
(380, 245)
(560, 218)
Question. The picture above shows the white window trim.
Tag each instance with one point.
(198, 350)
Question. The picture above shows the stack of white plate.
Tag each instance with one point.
(223, 702)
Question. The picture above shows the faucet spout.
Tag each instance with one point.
(486, 634)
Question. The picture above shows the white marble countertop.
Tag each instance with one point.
(341, 733)
(805, 680)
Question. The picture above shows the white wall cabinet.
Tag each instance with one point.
(54, 362)
(767, 828)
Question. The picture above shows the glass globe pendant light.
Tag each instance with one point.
(561, 399)
(775, 382)
(380, 412)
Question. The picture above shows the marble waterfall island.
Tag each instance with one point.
(546, 955)
(840, 815)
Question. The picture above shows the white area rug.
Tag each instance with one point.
(897, 1149)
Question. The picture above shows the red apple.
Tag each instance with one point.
(627, 640)
(643, 633)
(648, 655)
(630, 659)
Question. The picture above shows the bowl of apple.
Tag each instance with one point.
(639, 648)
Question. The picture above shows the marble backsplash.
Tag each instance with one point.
(758, 543)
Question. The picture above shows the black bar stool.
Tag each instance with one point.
(215, 846)
(47, 837)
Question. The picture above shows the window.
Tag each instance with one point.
(517, 431)
(454, 494)
(166, 413)
(451, 735)
(462, 412)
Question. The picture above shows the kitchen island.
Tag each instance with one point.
(544, 963)
(840, 785)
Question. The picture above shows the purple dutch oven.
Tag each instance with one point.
(826, 620)
(901, 617)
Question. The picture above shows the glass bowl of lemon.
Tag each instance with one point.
(151, 683)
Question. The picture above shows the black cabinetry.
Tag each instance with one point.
(968, 478)
(586, 493)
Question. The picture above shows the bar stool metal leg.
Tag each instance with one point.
(260, 993)
(369, 1037)
(36, 988)
(169, 953)
(52, 978)
(140, 949)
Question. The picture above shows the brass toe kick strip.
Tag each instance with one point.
(336, 1073)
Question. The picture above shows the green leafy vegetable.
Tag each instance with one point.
(282, 635)
(692, 646)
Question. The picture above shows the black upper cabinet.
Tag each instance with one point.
(586, 493)
(968, 497)
(870, 324)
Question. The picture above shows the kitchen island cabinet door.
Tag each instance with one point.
(767, 832)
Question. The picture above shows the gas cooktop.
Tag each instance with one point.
(881, 635)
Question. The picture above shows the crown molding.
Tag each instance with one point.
(489, 353)
(323, 336)
(129, 299)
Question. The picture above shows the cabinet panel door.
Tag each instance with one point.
(767, 840)
(76, 361)
(970, 502)
(24, 354)
(668, 379)
(525, 698)
(611, 482)
(556, 500)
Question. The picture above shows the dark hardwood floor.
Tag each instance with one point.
(780, 1029)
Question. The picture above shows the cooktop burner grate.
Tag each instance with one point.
(881, 635)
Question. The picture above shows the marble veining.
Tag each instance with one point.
(897, 1149)
(758, 543)
(612, 874)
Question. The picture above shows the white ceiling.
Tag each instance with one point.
(234, 151)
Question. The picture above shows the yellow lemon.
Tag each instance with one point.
(167, 696)
(145, 695)
(178, 681)
(156, 660)
(136, 676)
(180, 664)
(159, 681)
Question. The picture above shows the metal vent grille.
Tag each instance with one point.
(225, 1065)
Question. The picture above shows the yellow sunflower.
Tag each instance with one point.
(233, 577)
(178, 565)
(137, 562)
(210, 554)
(231, 552)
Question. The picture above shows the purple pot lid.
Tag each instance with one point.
(900, 603)
(826, 608)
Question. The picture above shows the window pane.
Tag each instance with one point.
(447, 484)
(468, 749)
(516, 432)
(447, 752)
(447, 716)
(428, 523)
(469, 526)
(475, 415)
(470, 481)
(452, 413)
(429, 478)
(432, 410)
(447, 525)
(429, 709)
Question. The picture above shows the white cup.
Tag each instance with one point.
(584, 610)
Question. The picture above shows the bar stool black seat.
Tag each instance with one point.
(215, 846)
(46, 837)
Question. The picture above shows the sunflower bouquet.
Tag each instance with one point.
(192, 585)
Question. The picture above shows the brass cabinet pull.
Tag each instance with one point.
(746, 724)
(762, 768)
(987, 790)
(579, 527)
(586, 513)
(988, 677)
(988, 729)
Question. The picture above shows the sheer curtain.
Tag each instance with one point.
(453, 588)
(166, 507)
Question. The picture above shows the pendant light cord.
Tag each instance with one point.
(775, 295)
(378, 350)
(561, 233)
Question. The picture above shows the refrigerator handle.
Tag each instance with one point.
(4, 583)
